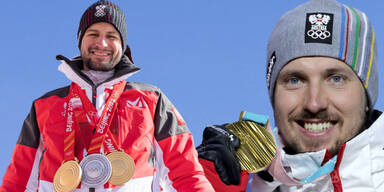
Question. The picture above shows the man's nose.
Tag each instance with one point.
(316, 98)
(101, 42)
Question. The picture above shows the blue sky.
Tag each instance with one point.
(208, 56)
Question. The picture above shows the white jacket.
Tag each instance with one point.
(359, 167)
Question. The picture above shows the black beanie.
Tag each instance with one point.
(104, 11)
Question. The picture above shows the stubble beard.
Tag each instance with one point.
(100, 65)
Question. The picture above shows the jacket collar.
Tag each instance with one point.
(72, 69)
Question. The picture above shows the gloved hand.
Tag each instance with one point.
(219, 146)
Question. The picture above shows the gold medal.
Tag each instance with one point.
(123, 167)
(257, 148)
(67, 177)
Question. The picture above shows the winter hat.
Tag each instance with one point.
(104, 11)
(325, 28)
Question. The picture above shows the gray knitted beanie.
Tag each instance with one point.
(325, 28)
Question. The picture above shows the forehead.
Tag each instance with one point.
(102, 27)
(316, 65)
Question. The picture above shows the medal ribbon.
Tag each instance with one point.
(70, 128)
(102, 135)
(323, 170)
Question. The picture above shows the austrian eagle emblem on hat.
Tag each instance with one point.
(100, 11)
(319, 27)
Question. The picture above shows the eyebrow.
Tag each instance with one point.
(339, 70)
(94, 30)
(291, 72)
(91, 30)
(301, 73)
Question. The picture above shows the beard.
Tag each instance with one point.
(293, 148)
(98, 64)
(294, 142)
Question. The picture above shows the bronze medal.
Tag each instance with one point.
(123, 167)
(257, 148)
(67, 177)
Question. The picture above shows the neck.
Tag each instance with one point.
(98, 77)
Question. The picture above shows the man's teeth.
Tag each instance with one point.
(317, 127)
(101, 54)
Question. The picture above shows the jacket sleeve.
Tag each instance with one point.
(218, 185)
(177, 165)
(22, 173)
(255, 184)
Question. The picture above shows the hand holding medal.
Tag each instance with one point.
(257, 148)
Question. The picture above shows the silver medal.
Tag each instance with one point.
(96, 170)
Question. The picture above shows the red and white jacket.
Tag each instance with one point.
(146, 125)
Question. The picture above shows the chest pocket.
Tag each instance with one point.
(133, 125)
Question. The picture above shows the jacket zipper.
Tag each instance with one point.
(335, 176)
(94, 104)
(94, 95)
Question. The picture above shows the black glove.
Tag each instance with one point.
(219, 146)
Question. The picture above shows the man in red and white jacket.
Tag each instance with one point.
(322, 80)
(145, 125)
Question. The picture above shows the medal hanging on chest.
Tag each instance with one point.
(68, 176)
(117, 167)
(96, 170)
(123, 165)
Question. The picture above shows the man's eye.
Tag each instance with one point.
(337, 78)
(293, 81)
(112, 37)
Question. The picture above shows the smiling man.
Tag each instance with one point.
(101, 47)
(323, 85)
(320, 103)
(103, 133)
